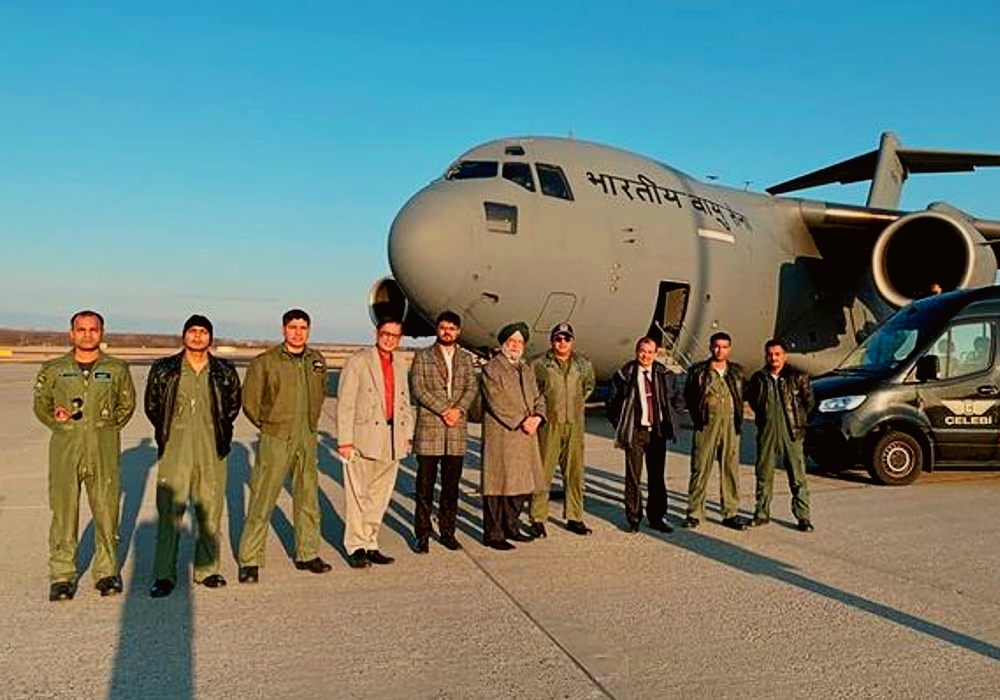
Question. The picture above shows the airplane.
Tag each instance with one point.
(546, 230)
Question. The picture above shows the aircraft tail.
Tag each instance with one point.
(887, 168)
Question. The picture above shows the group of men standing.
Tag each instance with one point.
(533, 422)
(714, 391)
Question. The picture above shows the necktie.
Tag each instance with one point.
(650, 400)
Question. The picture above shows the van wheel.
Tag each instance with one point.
(897, 459)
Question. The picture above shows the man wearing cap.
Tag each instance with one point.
(713, 393)
(565, 378)
(192, 399)
(374, 432)
(283, 395)
(443, 387)
(639, 408)
(513, 410)
(85, 398)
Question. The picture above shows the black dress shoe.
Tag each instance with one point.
(109, 585)
(759, 521)
(520, 537)
(449, 542)
(577, 527)
(501, 545)
(62, 590)
(249, 574)
(660, 526)
(735, 523)
(690, 523)
(213, 581)
(161, 588)
(421, 547)
(805, 525)
(633, 527)
(313, 566)
(358, 560)
(538, 530)
(376, 557)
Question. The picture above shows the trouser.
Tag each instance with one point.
(204, 486)
(104, 494)
(773, 451)
(368, 486)
(502, 516)
(451, 474)
(653, 447)
(276, 457)
(562, 444)
(717, 440)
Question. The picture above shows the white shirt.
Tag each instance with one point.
(645, 420)
(449, 355)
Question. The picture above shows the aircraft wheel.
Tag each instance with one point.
(897, 459)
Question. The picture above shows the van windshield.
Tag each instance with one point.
(901, 337)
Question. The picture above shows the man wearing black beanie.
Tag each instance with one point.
(192, 399)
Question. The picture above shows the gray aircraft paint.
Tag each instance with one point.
(756, 266)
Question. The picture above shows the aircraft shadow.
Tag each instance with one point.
(605, 504)
(153, 659)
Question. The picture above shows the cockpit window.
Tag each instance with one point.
(472, 170)
(553, 181)
(519, 173)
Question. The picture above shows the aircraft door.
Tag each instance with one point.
(668, 317)
(963, 402)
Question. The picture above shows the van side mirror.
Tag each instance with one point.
(927, 368)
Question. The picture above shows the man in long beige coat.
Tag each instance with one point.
(513, 410)
(374, 430)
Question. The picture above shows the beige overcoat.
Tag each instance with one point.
(512, 465)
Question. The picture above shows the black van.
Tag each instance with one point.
(923, 391)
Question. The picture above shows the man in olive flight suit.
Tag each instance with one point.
(713, 393)
(192, 399)
(85, 398)
(565, 378)
(283, 395)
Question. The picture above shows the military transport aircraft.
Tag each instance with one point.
(546, 230)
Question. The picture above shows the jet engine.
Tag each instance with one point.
(930, 247)
(386, 299)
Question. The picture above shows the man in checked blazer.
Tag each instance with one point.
(374, 430)
(443, 387)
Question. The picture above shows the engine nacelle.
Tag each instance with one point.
(926, 248)
(386, 299)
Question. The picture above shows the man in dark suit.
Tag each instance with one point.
(443, 387)
(639, 408)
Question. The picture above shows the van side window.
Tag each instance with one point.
(965, 348)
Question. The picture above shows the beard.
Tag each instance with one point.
(514, 356)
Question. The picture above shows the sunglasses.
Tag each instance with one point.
(562, 338)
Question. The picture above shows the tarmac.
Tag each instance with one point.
(895, 595)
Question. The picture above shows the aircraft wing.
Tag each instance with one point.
(857, 221)
(862, 167)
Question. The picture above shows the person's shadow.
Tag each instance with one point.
(237, 476)
(153, 658)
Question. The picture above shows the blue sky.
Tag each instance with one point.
(240, 158)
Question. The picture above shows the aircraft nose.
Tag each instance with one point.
(430, 248)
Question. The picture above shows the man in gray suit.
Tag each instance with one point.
(443, 387)
(374, 428)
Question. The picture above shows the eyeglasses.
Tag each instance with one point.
(562, 339)
(387, 334)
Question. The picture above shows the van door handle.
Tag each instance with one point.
(987, 390)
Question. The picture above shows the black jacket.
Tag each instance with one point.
(161, 391)
(796, 398)
(694, 392)
(624, 407)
